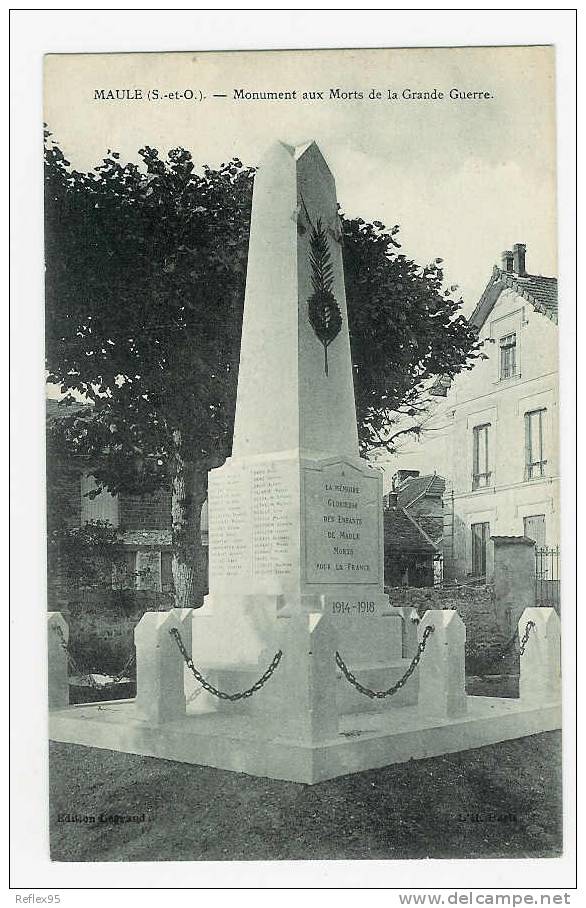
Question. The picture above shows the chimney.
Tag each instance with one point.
(507, 260)
(519, 259)
(390, 500)
(400, 477)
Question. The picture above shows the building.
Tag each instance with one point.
(141, 560)
(413, 527)
(493, 432)
(422, 498)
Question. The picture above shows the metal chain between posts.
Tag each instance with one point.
(123, 671)
(508, 647)
(194, 694)
(222, 695)
(84, 673)
(528, 628)
(380, 694)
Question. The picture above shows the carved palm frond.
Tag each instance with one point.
(324, 313)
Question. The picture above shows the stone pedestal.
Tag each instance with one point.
(540, 664)
(513, 575)
(296, 553)
(160, 690)
(295, 515)
(58, 671)
(442, 676)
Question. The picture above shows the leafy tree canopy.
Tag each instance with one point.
(145, 277)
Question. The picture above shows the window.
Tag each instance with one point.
(124, 571)
(508, 347)
(480, 468)
(480, 535)
(143, 570)
(534, 528)
(148, 570)
(535, 461)
(100, 508)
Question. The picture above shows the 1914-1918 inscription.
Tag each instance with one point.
(342, 526)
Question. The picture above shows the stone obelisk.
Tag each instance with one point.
(295, 515)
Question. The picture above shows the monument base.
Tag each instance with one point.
(365, 740)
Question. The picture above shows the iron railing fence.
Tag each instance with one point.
(547, 575)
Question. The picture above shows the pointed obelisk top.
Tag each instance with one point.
(295, 388)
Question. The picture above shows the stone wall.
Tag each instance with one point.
(101, 625)
(151, 512)
(477, 606)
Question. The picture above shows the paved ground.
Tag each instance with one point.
(498, 801)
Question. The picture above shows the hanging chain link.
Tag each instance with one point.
(509, 646)
(84, 673)
(123, 673)
(380, 694)
(75, 668)
(194, 694)
(528, 628)
(222, 695)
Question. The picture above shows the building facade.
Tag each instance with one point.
(140, 559)
(493, 432)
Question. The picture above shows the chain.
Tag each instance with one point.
(123, 673)
(380, 694)
(528, 628)
(83, 673)
(507, 648)
(509, 645)
(72, 663)
(194, 694)
(222, 695)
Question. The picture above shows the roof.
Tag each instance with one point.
(58, 409)
(432, 525)
(403, 534)
(416, 487)
(512, 540)
(540, 291)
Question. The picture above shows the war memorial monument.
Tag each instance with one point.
(307, 671)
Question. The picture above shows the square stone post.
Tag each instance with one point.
(410, 622)
(160, 689)
(442, 676)
(540, 664)
(58, 634)
(299, 701)
(513, 576)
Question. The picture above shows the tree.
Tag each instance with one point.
(145, 276)
(406, 331)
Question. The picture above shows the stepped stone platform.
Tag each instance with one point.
(365, 740)
(296, 560)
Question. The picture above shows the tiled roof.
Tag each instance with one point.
(414, 488)
(540, 291)
(57, 409)
(432, 525)
(402, 533)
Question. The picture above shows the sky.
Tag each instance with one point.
(464, 178)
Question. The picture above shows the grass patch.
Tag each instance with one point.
(492, 802)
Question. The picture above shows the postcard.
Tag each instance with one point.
(303, 509)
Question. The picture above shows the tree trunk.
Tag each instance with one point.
(189, 556)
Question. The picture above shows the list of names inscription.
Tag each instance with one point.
(251, 522)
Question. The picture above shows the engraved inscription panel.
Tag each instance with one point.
(342, 526)
(273, 526)
(229, 523)
(253, 515)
